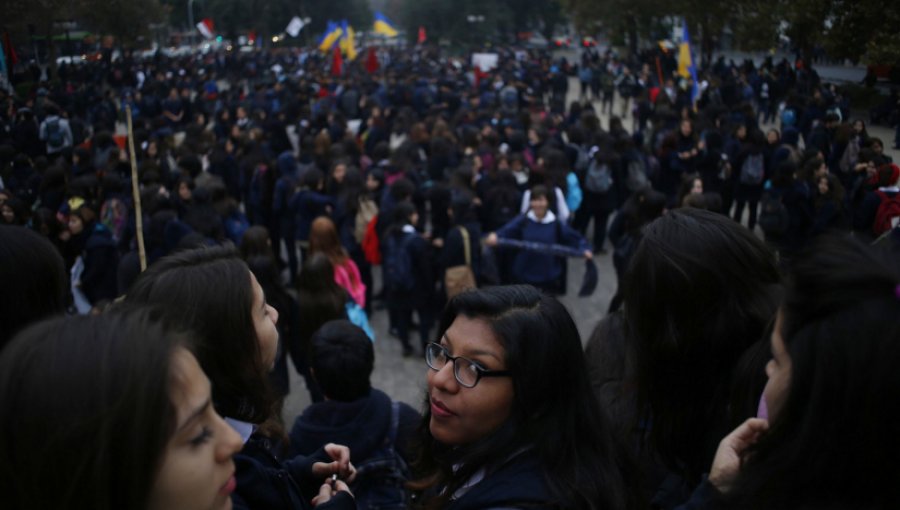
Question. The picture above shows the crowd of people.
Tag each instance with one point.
(752, 223)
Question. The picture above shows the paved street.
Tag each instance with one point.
(404, 378)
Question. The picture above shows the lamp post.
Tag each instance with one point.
(190, 5)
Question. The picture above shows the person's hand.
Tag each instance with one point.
(491, 239)
(588, 254)
(437, 242)
(327, 491)
(340, 455)
(727, 462)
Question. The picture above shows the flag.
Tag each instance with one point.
(384, 26)
(11, 57)
(332, 35)
(372, 61)
(295, 26)
(3, 60)
(348, 41)
(686, 67)
(337, 62)
(206, 28)
(422, 36)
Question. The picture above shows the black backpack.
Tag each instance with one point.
(773, 215)
(398, 268)
(55, 139)
(380, 478)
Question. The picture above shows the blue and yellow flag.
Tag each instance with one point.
(348, 41)
(384, 26)
(332, 35)
(686, 67)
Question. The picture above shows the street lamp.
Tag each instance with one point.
(190, 5)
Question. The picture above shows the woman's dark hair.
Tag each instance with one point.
(87, 411)
(540, 191)
(554, 410)
(256, 242)
(699, 291)
(35, 283)
(402, 214)
(342, 359)
(208, 291)
(641, 208)
(352, 191)
(312, 179)
(833, 443)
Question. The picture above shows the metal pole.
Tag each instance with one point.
(191, 20)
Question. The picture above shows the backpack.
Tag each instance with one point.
(55, 139)
(370, 243)
(636, 179)
(397, 264)
(582, 160)
(773, 215)
(850, 157)
(380, 478)
(752, 170)
(788, 118)
(888, 214)
(573, 193)
(598, 178)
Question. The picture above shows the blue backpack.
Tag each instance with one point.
(380, 479)
(396, 263)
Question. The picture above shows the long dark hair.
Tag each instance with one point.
(208, 291)
(34, 279)
(833, 442)
(87, 412)
(554, 410)
(699, 291)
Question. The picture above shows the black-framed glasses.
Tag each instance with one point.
(466, 371)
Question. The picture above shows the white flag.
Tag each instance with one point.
(295, 26)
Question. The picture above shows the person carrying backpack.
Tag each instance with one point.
(408, 276)
(600, 197)
(751, 167)
(377, 430)
(55, 132)
(879, 211)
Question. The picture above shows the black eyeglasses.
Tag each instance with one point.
(466, 371)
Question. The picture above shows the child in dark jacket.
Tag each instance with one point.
(539, 225)
(377, 430)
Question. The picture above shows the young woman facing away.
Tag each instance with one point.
(833, 394)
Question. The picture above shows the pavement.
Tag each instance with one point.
(404, 379)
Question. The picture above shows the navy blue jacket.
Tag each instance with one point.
(266, 482)
(307, 205)
(517, 484)
(360, 425)
(534, 267)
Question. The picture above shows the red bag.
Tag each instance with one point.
(888, 211)
(370, 245)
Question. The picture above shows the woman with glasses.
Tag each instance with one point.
(510, 419)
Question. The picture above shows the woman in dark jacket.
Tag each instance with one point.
(408, 275)
(213, 293)
(510, 420)
(98, 279)
(453, 253)
(751, 168)
(540, 226)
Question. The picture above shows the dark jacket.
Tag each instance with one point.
(266, 482)
(101, 261)
(420, 256)
(453, 253)
(519, 483)
(535, 267)
(307, 205)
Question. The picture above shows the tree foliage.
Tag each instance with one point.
(853, 29)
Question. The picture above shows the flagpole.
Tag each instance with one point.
(135, 193)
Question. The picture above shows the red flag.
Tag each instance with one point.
(337, 62)
(371, 61)
(11, 57)
(206, 28)
(422, 35)
(479, 75)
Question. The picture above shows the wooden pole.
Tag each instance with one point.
(135, 193)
